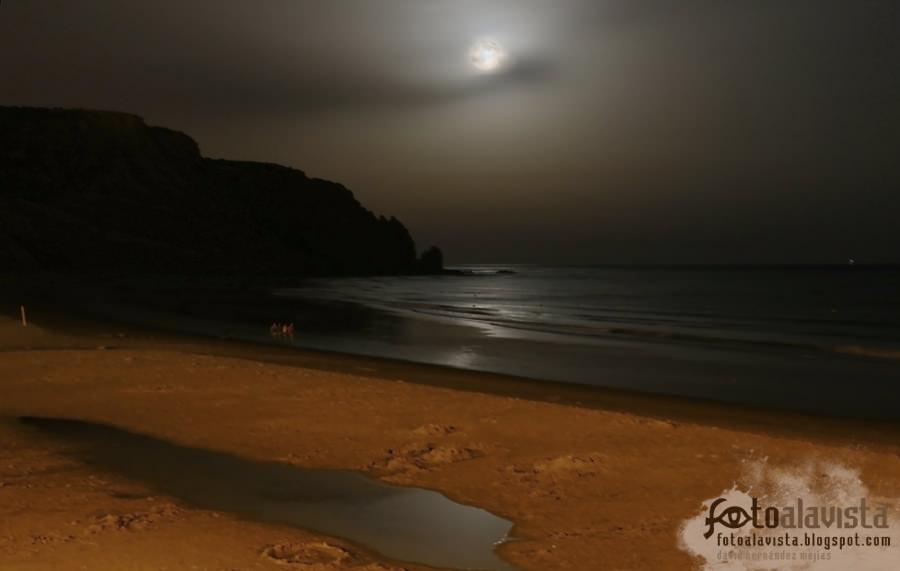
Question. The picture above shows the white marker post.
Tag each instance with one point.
(24, 321)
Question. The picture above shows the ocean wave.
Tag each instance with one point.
(718, 337)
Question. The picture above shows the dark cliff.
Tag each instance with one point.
(96, 191)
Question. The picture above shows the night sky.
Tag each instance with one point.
(617, 131)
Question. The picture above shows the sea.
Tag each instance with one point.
(818, 339)
(809, 339)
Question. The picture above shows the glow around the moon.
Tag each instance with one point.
(487, 56)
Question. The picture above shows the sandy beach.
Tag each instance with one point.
(605, 485)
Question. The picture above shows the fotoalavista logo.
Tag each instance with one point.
(796, 516)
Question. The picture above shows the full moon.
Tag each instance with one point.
(487, 56)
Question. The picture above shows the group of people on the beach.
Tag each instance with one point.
(282, 330)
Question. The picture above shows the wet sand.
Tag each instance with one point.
(597, 480)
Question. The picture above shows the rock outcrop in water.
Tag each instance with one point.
(95, 191)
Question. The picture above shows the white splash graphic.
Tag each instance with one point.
(819, 489)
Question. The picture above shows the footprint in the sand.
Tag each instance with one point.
(50, 538)
(562, 468)
(309, 555)
(136, 521)
(435, 430)
(656, 422)
(163, 388)
(320, 556)
(425, 457)
(575, 464)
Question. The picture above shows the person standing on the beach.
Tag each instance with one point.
(274, 329)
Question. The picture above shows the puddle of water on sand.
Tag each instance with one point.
(402, 523)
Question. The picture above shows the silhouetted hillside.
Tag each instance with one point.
(85, 190)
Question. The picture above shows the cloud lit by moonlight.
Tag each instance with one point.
(487, 56)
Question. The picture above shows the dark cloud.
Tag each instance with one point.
(298, 94)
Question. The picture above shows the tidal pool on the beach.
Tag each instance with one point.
(401, 523)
